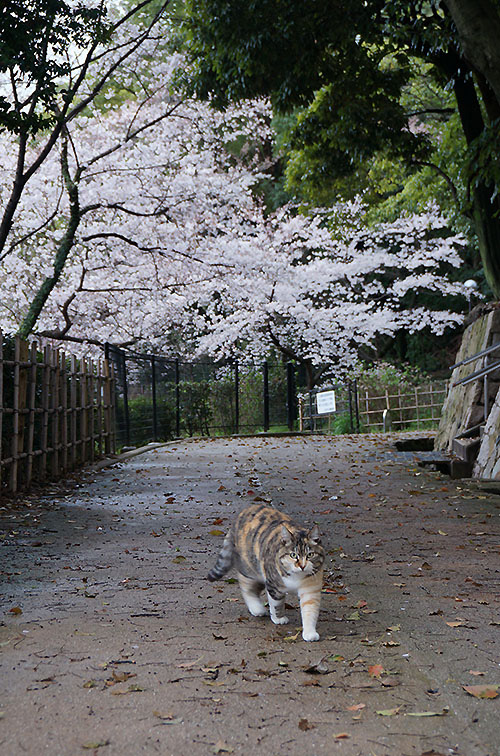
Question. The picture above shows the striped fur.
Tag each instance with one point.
(270, 552)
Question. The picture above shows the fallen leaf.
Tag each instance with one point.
(178, 559)
(221, 747)
(292, 637)
(336, 658)
(482, 691)
(376, 670)
(119, 677)
(167, 719)
(388, 712)
(390, 682)
(320, 668)
(305, 725)
(187, 665)
(476, 673)
(97, 744)
(441, 713)
(216, 532)
(356, 707)
(130, 689)
(456, 623)
(342, 736)
(354, 616)
(15, 610)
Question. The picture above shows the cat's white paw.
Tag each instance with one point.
(310, 635)
(257, 611)
(280, 620)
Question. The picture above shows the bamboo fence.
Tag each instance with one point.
(419, 406)
(56, 413)
(400, 407)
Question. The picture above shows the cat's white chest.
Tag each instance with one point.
(293, 582)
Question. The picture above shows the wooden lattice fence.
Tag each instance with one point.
(372, 409)
(56, 412)
(402, 407)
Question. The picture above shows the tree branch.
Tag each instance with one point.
(443, 174)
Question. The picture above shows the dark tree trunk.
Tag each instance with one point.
(485, 205)
(478, 27)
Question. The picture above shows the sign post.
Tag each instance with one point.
(325, 402)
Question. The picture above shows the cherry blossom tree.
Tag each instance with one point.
(143, 228)
(320, 298)
(127, 211)
(75, 51)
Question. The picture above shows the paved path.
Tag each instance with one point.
(113, 642)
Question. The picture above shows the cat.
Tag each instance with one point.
(269, 551)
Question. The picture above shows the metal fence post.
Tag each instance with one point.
(351, 413)
(266, 395)
(290, 394)
(177, 399)
(236, 397)
(356, 404)
(125, 398)
(153, 391)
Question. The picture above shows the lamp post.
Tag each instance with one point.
(472, 287)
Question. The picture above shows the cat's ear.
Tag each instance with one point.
(286, 536)
(314, 534)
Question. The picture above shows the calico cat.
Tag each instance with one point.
(270, 552)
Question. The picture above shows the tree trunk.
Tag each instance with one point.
(485, 207)
(62, 252)
(478, 27)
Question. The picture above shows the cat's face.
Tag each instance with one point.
(301, 553)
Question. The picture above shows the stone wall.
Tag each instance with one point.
(488, 460)
(464, 405)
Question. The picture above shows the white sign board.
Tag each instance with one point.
(325, 402)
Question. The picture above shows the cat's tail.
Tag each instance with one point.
(224, 560)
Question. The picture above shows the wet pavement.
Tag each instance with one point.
(113, 642)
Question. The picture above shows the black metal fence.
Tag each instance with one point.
(158, 399)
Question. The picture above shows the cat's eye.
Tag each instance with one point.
(310, 554)
(293, 554)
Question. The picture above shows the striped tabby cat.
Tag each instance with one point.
(270, 552)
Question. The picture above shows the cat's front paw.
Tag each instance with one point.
(280, 620)
(258, 611)
(310, 635)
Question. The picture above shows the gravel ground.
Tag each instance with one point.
(113, 642)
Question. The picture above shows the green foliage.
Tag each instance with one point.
(372, 87)
(384, 375)
(341, 424)
(196, 410)
(35, 39)
(247, 48)
(140, 410)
